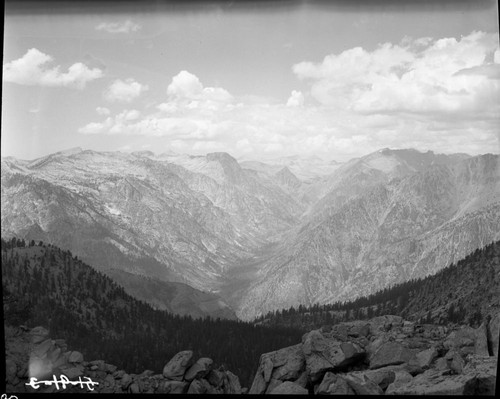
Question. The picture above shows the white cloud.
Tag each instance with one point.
(419, 76)
(32, 70)
(103, 111)
(296, 99)
(119, 27)
(186, 90)
(399, 96)
(124, 90)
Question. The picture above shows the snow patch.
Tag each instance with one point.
(111, 209)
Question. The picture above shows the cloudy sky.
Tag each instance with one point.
(333, 79)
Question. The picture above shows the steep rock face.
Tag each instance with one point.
(144, 215)
(258, 237)
(360, 174)
(287, 179)
(408, 228)
(259, 208)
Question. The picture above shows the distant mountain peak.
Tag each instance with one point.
(148, 154)
(220, 157)
(70, 151)
(286, 177)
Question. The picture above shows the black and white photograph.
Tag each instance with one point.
(250, 197)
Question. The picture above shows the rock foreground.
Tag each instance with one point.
(32, 353)
(383, 355)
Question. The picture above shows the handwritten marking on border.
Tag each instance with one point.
(35, 384)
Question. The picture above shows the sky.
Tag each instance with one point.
(259, 80)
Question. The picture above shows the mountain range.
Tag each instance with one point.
(256, 236)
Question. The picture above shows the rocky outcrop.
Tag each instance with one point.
(32, 353)
(384, 355)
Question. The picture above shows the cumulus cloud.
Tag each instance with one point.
(103, 111)
(112, 125)
(296, 99)
(32, 69)
(416, 76)
(399, 96)
(124, 90)
(119, 27)
(186, 92)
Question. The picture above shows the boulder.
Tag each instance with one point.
(273, 384)
(494, 334)
(200, 369)
(362, 385)
(477, 377)
(455, 361)
(119, 374)
(110, 368)
(172, 387)
(333, 384)
(384, 323)
(401, 378)
(259, 385)
(289, 388)
(462, 340)
(481, 341)
(75, 357)
(382, 377)
(109, 381)
(324, 354)
(442, 364)
(97, 365)
(284, 364)
(39, 334)
(200, 386)
(126, 381)
(302, 380)
(134, 388)
(484, 370)
(216, 378)
(431, 382)
(426, 357)
(177, 366)
(43, 348)
(233, 385)
(288, 363)
(408, 328)
(147, 373)
(390, 353)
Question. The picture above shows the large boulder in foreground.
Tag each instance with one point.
(281, 365)
(325, 354)
(199, 370)
(391, 353)
(289, 388)
(478, 377)
(177, 366)
(494, 334)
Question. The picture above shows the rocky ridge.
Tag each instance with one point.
(384, 355)
(407, 228)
